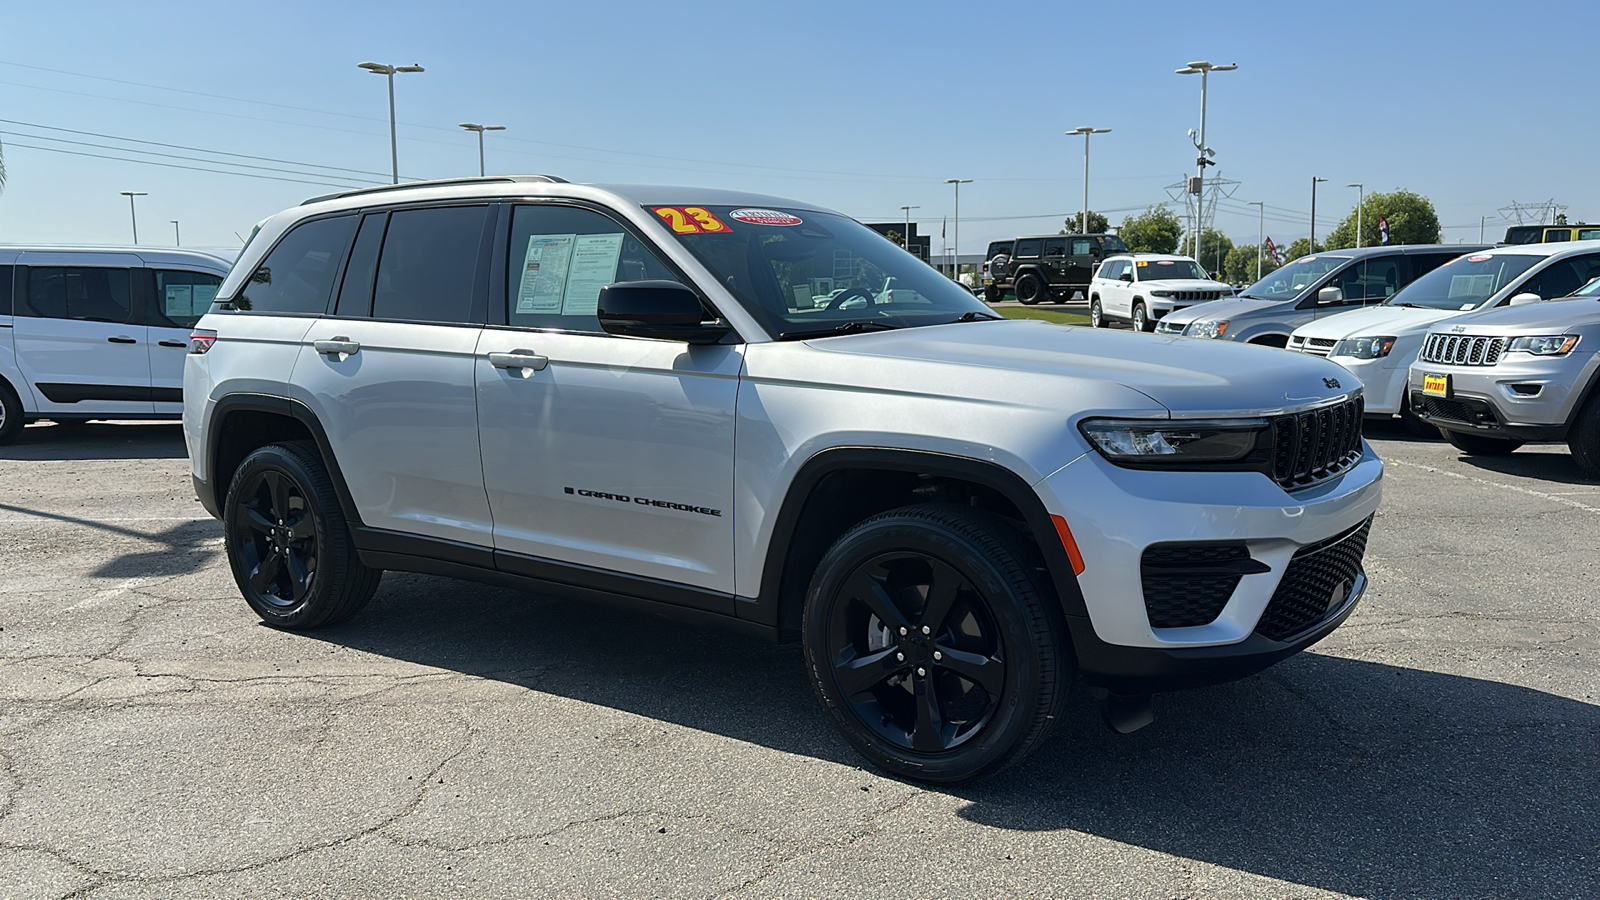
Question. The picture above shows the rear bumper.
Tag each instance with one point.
(206, 496)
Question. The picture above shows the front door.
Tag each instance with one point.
(75, 338)
(600, 452)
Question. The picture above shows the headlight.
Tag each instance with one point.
(1161, 293)
(1142, 443)
(1212, 329)
(1364, 347)
(1544, 345)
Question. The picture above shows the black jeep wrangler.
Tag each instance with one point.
(1047, 267)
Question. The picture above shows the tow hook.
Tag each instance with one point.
(1126, 713)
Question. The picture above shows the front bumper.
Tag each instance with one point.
(1115, 514)
(1522, 397)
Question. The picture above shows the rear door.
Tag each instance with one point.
(175, 299)
(1054, 262)
(75, 335)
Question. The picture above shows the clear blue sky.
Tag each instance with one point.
(862, 106)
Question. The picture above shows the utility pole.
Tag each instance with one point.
(1085, 130)
(955, 254)
(389, 72)
(1314, 182)
(1361, 193)
(131, 213)
(1206, 154)
(176, 240)
(480, 129)
(1481, 220)
(905, 236)
(1261, 232)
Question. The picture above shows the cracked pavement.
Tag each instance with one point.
(456, 740)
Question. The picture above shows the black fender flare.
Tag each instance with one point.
(281, 406)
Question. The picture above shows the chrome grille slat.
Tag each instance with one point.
(1462, 349)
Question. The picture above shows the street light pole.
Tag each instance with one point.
(1204, 70)
(177, 241)
(905, 236)
(1261, 232)
(955, 247)
(1481, 220)
(388, 71)
(1361, 195)
(131, 213)
(1314, 182)
(1085, 130)
(480, 129)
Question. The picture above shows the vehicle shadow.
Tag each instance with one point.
(97, 440)
(1392, 430)
(181, 549)
(1544, 462)
(1349, 776)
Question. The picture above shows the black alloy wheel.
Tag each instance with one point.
(288, 544)
(1030, 289)
(1097, 318)
(931, 644)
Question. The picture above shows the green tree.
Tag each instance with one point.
(1097, 224)
(1299, 248)
(1156, 230)
(1411, 217)
(1240, 267)
(1214, 249)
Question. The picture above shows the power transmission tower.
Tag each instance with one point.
(1546, 213)
(1200, 210)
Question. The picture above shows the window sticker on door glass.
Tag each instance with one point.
(544, 273)
(593, 266)
(180, 300)
(204, 296)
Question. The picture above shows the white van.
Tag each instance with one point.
(98, 332)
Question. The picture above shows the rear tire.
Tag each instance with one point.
(1584, 439)
(10, 413)
(1030, 289)
(1141, 319)
(1097, 315)
(1479, 445)
(993, 294)
(288, 543)
(931, 644)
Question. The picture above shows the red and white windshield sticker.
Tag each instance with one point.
(764, 217)
(1479, 258)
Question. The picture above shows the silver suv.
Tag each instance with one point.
(1521, 374)
(629, 393)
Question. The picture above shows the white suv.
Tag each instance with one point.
(628, 393)
(97, 332)
(1142, 288)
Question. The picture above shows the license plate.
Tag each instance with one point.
(1436, 385)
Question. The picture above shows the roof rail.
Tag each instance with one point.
(441, 182)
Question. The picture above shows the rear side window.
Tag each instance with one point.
(84, 294)
(1111, 268)
(1055, 248)
(428, 269)
(1028, 248)
(355, 294)
(1371, 280)
(297, 276)
(1557, 235)
(1081, 246)
(6, 275)
(560, 257)
(183, 297)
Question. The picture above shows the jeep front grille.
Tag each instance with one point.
(1317, 583)
(1316, 445)
(1195, 296)
(1462, 350)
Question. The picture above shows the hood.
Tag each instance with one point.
(1551, 317)
(1189, 377)
(1226, 308)
(1397, 321)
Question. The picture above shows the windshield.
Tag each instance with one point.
(1292, 280)
(803, 273)
(1465, 282)
(1163, 269)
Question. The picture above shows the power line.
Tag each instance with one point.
(151, 162)
(41, 137)
(114, 137)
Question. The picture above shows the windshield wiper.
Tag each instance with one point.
(1411, 305)
(974, 316)
(844, 328)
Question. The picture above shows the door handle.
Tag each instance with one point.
(339, 346)
(178, 344)
(122, 339)
(519, 359)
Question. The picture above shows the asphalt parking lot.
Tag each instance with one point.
(465, 741)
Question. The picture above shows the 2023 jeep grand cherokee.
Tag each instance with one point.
(628, 393)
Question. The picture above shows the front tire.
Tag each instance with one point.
(10, 413)
(1584, 439)
(1141, 319)
(1030, 290)
(1414, 424)
(1097, 316)
(932, 646)
(1480, 445)
(288, 543)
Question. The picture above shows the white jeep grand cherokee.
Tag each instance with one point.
(628, 393)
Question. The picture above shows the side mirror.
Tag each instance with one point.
(664, 310)
(1329, 296)
(1524, 298)
(1126, 276)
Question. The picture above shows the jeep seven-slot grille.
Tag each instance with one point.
(1195, 296)
(1311, 446)
(1189, 584)
(1316, 584)
(1462, 349)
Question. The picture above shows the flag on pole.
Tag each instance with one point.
(1383, 230)
(942, 223)
(1272, 251)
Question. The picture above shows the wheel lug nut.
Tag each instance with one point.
(938, 655)
(902, 631)
(921, 671)
(899, 657)
(926, 629)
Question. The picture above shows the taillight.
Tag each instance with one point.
(201, 339)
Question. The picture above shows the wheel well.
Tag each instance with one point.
(242, 432)
(846, 497)
(1280, 341)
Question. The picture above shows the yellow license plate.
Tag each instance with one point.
(1436, 385)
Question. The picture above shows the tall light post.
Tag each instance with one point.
(1314, 182)
(1205, 153)
(480, 129)
(131, 213)
(1261, 232)
(1481, 220)
(177, 241)
(955, 247)
(1361, 195)
(1085, 130)
(389, 72)
(905, 236)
